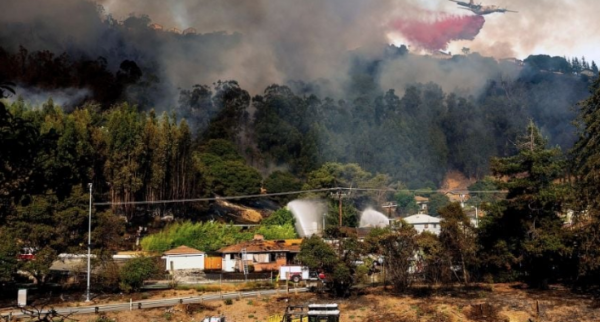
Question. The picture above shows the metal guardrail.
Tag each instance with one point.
(149, 304)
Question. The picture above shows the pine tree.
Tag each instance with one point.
(525, 229)
(576, 65)
(594, 68)
(586, 167)
(584, 64)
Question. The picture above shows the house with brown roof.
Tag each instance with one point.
(184, 258)
(262, 255)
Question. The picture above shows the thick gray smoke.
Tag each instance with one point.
(261, 42)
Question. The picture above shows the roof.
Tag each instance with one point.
(264, 246)
(183, 250)
(422, 219)
(421, 199)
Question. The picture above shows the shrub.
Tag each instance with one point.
(135, 272)
(228, 302)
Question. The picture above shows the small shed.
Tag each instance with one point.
(184, 258)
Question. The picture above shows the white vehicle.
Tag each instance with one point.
(214, 319)
(297, 274)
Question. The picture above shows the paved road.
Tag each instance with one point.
(147, 304)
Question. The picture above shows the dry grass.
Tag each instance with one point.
(502, 303)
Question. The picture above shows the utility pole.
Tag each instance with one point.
(391, 207)
(340, 195)
(87, 292)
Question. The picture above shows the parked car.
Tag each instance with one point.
(299, 273)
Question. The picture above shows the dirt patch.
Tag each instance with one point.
(496, 303)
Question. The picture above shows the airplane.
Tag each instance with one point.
(480, 9)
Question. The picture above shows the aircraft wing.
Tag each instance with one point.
(461, 3)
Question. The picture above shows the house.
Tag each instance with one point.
(184, 258)
(422, 203)
(423, 222)
(460, 197)
(588, 73)
(262, 255)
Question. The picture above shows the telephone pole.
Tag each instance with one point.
(89, 245)
(391, 207)
(340, 195)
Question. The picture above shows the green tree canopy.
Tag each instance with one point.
(526, 226)
(436, 202)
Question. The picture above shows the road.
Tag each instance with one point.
(148, 304)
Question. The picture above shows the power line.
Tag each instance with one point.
(170, 201)
(211, 198)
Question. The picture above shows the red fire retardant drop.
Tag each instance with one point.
(435, 35)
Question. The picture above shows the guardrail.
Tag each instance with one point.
(149, 304)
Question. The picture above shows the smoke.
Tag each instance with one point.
(553, 27)
(262, 42)
(66, 98)
(437, 34)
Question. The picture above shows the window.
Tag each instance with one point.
(426, 226)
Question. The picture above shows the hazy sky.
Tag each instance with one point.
(555, 27)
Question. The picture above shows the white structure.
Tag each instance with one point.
(423, 222)
(184, 258)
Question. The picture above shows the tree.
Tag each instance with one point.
(406, 203)
(586, 168)
(316, 254)
(526, 226)
(8, 255)
(280, 181)
(458, 238)
(205, 236)
(398, 248)
(279, 218)
(436, 202)
(480, 196)
(433, 261)
(135, 272)
(594, 68)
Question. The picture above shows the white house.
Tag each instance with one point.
(423, 222)
(184, 258)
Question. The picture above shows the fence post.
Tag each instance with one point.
(130, 304)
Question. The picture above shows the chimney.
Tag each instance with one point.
(259, 237)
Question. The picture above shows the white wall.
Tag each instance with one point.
(185, 261)
(423, 222)
(433, 228)
(228, 263)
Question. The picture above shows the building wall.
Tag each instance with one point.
(433, 228)
(178, 262)
(229, 262)
(273, 266)
(233, 263)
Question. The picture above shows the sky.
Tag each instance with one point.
(553, 27)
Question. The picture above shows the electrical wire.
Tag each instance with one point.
(337, 189)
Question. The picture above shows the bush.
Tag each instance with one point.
(135, 272)
(228, 302)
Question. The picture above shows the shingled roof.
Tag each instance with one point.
(264, 246)
(183, 250)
